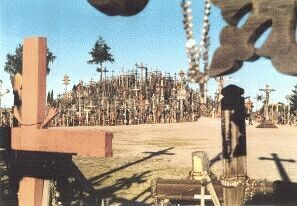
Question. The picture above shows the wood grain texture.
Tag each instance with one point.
(238, 44)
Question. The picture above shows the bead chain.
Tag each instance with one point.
(194, 53)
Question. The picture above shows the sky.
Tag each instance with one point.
(155, 37)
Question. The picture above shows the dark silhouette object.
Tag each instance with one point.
(233, 129)
(279, 165)
(234, 142)
(119, 7)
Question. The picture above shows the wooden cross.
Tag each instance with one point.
(31, 134)
(66, 81)
(73, 110)
(267, 91)
(142, 67)
(87, 111)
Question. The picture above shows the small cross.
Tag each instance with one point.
(91, 81)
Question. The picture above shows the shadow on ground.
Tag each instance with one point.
(284, 191)
(73, 187)
(125, 183)
(80, 191)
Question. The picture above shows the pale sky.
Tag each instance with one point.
(155, 37)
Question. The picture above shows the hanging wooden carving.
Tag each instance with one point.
(119, 7)
(238, 44)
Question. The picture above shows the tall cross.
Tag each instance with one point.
(66, 81)
(73, 110)
(105, 71)
(181, 75)
(32, 135)
(267, 92)
(279, 165)
(136, 74)
(142, 67)
(175, 77)
(91, 82)
(91, 105)
(87, 111)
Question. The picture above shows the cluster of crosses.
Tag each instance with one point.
(131, 98)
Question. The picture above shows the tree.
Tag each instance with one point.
(48, 98)
(100, 53)
(52, 96)
(14, 62)
(293, 100)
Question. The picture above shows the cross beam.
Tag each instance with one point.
(30, 136)
(84, 143)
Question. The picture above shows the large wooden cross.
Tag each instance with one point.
(31, 134)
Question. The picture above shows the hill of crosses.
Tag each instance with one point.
(133, 97)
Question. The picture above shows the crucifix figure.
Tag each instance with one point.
(32, 136)
(266, 122)
(142, 67)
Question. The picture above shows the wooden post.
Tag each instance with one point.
(234, 145)
(34, 57)
(31, 136)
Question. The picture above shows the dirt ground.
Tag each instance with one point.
(144, 152)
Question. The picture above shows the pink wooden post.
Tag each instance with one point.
(30, 136)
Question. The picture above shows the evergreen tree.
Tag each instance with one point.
(52, 96)
(48, 98)
(14, 62)
(100, 53)
(293, 100)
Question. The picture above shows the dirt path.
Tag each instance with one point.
(145, 152)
